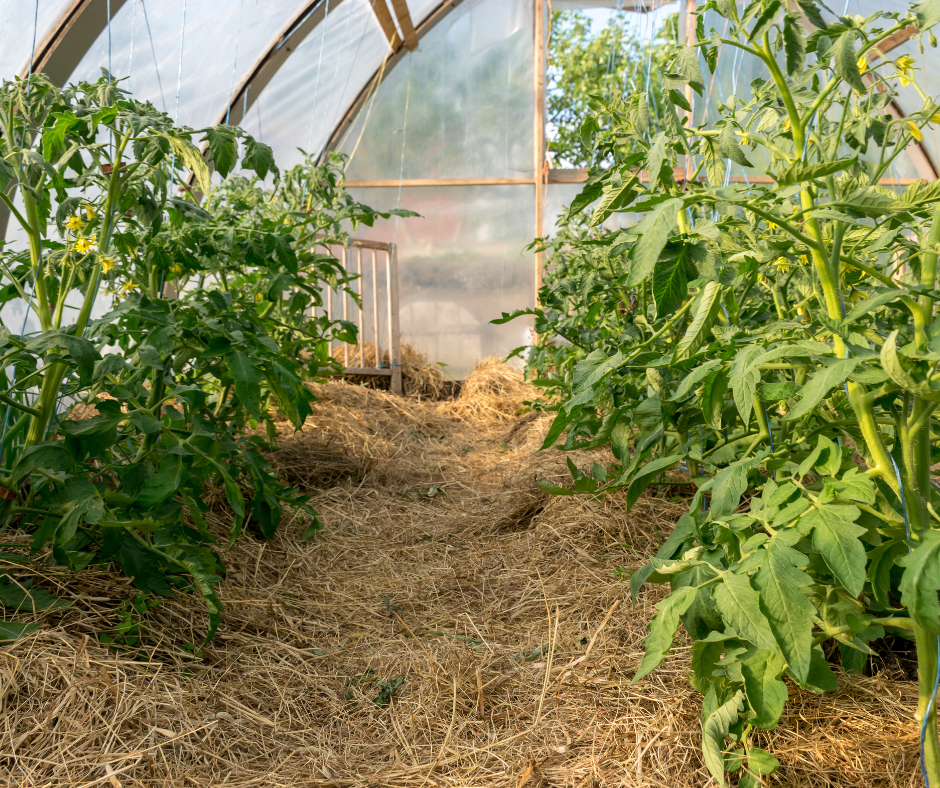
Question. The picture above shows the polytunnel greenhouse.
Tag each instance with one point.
(472, 393)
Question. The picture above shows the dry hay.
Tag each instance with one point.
(420, 378)
(443, 566)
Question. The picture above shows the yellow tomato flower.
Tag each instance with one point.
(74, 224)
(176, 269)
(862, 64)
(84, 245)
(782, 264)
(915, 131)
(128, 287)
(804, 260)
(800, 311)
(107, 263)
(905, 66)
(90, 211)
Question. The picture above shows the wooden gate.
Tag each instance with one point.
(366, 259)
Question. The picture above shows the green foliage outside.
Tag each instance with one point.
(609, 63)
(183, 385)
(759, 336)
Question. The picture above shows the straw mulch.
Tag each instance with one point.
(450, 626)
(420, 379)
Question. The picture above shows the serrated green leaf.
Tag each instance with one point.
(715, 730)
(830, 457)
(670, 284)
(798, 172)
(662, 629)
(728, 141)
(780, 582)
(714, 161)
(765, 20)
(745, 376)
(855, 486)
(223, 149)
(766, 693)
(846, 60)
(739, 605)
(655, 158)
(835, 536)
(794, 45)
(812, 12)
(653, 232)
(14, 630)
(927, 13)
(646, 475)
(891, 364)
(820, 384)
(244, 371)
(712, 399)
(702, 323)
(921, 581)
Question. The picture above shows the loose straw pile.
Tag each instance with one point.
(450, 626)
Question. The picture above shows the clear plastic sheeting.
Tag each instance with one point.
(219, 40)
(20, 22)
(461, 106)
(460, 266)
(308, 97)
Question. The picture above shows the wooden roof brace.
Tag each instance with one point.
(405, 23)
(384, 17)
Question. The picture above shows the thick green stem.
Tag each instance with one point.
(35, 259)
(927, 666)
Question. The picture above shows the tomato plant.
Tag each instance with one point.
(181, 384)
(767, 337)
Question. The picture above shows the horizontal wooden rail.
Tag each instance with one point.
(560, 175)
(385, 372)
(581, 175)
(444, 182)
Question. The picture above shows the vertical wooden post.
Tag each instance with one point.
(394, 330)
(345, 311)
(375, 313)
(329, 309)
(690, 20)
(362, 310)
(538, 55)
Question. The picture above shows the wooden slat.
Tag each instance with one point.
(441, 182)
(394, 328)
(387, 23)
(405, 23)
(359, 371)
(567, 175)
(538, 89)
(361, 243)
(893, 41)
(581, 175)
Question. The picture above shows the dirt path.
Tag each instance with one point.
(450, 626)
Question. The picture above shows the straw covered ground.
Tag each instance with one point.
(450, 626)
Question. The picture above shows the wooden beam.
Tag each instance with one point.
(441, 182)
(581, 175)
(405, 23)
(387, 23)
(893, 41)
(279, 49)
(430, 22)
(60, 52)
(539, 164)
